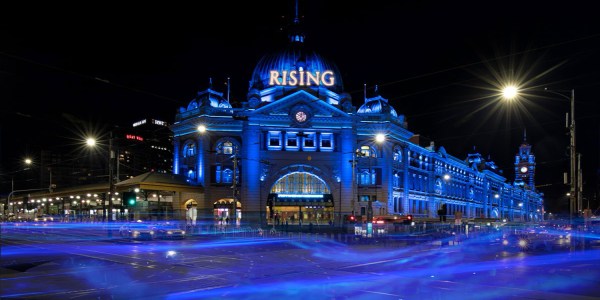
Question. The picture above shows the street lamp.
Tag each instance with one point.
(379, 138)
(575, 196)
(91, 142)
(510, 92)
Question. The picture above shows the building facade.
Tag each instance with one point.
(297, 150)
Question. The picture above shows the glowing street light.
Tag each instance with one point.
(510, 92)
(91, 142)
(201, 128)
(28, 161)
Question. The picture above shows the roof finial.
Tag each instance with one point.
(228, 89)
(365, 92)
(210, 82)
(525, 135)
(296, 35)
(376, 89)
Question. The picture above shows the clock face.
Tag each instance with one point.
(523, 169)
(301, 116)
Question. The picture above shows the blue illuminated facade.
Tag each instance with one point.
(302, 152)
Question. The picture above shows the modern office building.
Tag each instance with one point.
(298, 150)
(145, 147)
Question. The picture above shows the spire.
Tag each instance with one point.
(365, 92)
(376, 89)
(525, 135)
(296, 34)
(210, 82)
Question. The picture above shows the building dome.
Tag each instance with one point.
(377, 105)
(295, 57)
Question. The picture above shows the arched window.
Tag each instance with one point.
(223, 175)
(226, 146)
(191, 174)
(366, 177)
(189, 149)
(367, 151)
(300, 183)
(397, 154)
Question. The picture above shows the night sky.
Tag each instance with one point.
(64, 70)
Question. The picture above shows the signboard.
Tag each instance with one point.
(301, 78)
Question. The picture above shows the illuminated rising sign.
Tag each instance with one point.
(301, 78)
(134, 137)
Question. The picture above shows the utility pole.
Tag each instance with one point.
(111, 182)
(234, 190)
(574, 198)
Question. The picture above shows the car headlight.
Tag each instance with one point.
(169, 232)
(505, 242)
(136, 233)
(523, 243)
(183, 232)
(151, 232)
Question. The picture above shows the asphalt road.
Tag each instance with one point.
(67, 261)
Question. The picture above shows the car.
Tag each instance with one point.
(45, 218)
(169, 231)
(137, 231)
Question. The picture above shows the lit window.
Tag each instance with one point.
(228, 147)
(227, 176)
(274, 139)
(189, 150)
(223, 175)
(292, 141)
(365, 177)
(398, 155)
(326, 141)
(366, 151)
(191, 174)
(309, 141)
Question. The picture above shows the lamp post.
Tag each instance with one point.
(234, 189)
(575, 197)
(91, 142)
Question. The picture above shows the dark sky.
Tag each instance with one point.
(437, 62)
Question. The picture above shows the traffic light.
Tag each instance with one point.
(129, 199)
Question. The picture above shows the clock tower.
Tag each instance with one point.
(525, 165)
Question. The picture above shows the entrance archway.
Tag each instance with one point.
(190, 202)
(223, 211)
(300, 196)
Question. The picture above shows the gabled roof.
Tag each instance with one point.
(159, 181)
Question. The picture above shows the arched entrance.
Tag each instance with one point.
(222, 211)
(300, 197)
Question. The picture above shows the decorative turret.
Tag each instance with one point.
(525, 165)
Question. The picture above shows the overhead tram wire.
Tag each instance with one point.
(88, 77)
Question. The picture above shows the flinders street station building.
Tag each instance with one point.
(297, 150)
